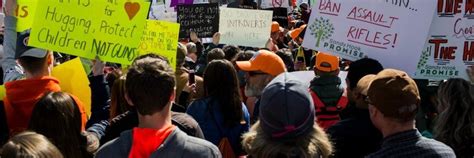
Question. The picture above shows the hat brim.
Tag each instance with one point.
(246, 66)
(35, 52)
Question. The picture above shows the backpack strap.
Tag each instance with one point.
(320, 107)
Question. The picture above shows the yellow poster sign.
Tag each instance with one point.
(25, 12)
(160, 37)
(110, 29)
(73, 79)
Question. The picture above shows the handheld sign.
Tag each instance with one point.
(160, 37)
(200, 18)
(25, 13)
(449, 49)
(391, 32)
(245, 27)
(111, 29)
(280, 15)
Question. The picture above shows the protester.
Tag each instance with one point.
(202, 60)
(455, 122)
(230, 51)
(57, 117)
(356, 71)
(118, 104)
(150, 88)
(260, 70)
(286, 127)
(326, 90)
(221, 114)
(305, 12)
(244, 56)
(215, 54)
(29, 144)
(356, 136)
(287, 58)
(393, 103)
(21, 95)
(183, 78)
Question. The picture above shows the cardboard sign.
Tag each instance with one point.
(274, 4)
(280, 15)
(245, 27)
(109, 29)
(449, 49)
(73, 79)
(25, 14)
(200, 18)
(160, 37)
(384, 30)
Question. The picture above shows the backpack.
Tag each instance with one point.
(328, 115)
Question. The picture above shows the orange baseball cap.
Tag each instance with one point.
(265, 61)
(275, 26)
(296, 32)
(326, 62)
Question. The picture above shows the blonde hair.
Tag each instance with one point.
(313, 143)
(30, 145)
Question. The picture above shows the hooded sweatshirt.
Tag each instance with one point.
(21, 97)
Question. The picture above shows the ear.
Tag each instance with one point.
(173, 96)
(50, 57)
(127, 98)
(373, 111)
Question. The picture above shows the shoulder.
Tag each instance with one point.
(198, 104)
(435, 148)
(195, 146)
(118, 147)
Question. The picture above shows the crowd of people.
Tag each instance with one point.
(230, 101)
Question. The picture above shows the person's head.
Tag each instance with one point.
(360, 91)
(393, 99)
(29, 145)
(230, 51)
(304, 6)
(192, 51)
(35, 61)
(298, 34)
(150, 85)
(118, 104)
(287, 58)
(275, 32)
(326, 65)
(224, 90)
(180, 55)
(359, 69)
(261, 69)
(57, 117)
(455, 122)
(215, 54)
(286, 127)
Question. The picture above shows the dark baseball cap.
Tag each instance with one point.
(286, 108)
(22, 48)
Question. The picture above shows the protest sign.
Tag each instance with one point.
(449, 49)
(25, 12)
(3, 92)
(245, 27)
(200, 18)
(160, 37)
(73, 79)
(280, 15)
(111, 29)
(392, 32)
(161, 10)
(175, 3)
(274, 4)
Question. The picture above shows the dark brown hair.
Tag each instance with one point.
(118, 104)
(150, 83)
(57, 117)
(215, 54)
(29, 145)
(33, 64)
(225, 90)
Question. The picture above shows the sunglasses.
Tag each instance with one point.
(254, 73)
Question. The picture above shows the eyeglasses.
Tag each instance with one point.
(254, 73)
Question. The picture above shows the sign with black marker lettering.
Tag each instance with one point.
(200, 18)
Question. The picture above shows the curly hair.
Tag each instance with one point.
(455, 126)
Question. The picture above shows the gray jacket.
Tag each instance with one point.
(11, 70)
(177, 145)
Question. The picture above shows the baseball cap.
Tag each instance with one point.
(22, 48)
(275, 26)
(394, 94)
(286, 107)
(296, 32)
(363, 85)
(326, 62)
(264, 61)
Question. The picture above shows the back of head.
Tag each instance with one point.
(33, 60)
(29, 145)
(395, 95)
(287, 58)
(326, 64)
(191, 47)
(57, 117)
(150, 83)
(230, 51)
(224, 89)
(180, 55)
(360, 68)
(215, 54)
(455, 124)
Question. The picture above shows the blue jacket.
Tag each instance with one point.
(200, 111)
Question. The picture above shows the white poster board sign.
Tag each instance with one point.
(161, 10)
(274, 4)
(245, 27)
(393, 32)
(449, 49)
